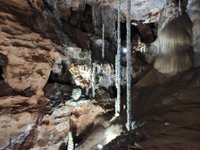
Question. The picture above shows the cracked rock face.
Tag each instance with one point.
(18, 118)
(14, 126)
(27, 69)
(29, 54)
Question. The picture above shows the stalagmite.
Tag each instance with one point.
(117, 103)
(129, 66)
(70, 142)
(103, 41)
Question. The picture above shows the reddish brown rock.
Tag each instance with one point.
(54, 128)
(15, 125)
(30, 53)
(18, 104)
(83, 117)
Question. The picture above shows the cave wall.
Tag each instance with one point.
(33, 31)
(35, 38)
(29, 51)
(193, 10)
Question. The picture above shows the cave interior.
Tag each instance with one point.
(99, 75)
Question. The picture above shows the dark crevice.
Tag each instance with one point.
(134, 31)
(82, 19)
(1, 72)
(146, 32)
(3, 63)
(87, 25)
(64, 78)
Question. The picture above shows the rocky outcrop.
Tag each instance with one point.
(19, 116)
(71, 116)
(194, 13)
(26, 122)
(15, 129)
(30, 55)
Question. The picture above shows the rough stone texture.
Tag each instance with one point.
(14, 126)
(70, 116)
(83, 118)
(27, 69)
(194, 13)
(25, 123)
(57, 93)
(18, 117)
(169, 13)
(29, 54)
(193, 9)
(141, 10)
(18, 104)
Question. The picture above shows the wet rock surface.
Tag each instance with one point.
(166, 119)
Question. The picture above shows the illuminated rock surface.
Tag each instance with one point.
(46, 51)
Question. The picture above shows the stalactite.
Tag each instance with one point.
(93, 79)
(179, 8)
(117, 103)
(90, 58)
(90, 71)
(116, 70)
(103, 41)
(129, 66)
(116, 84)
